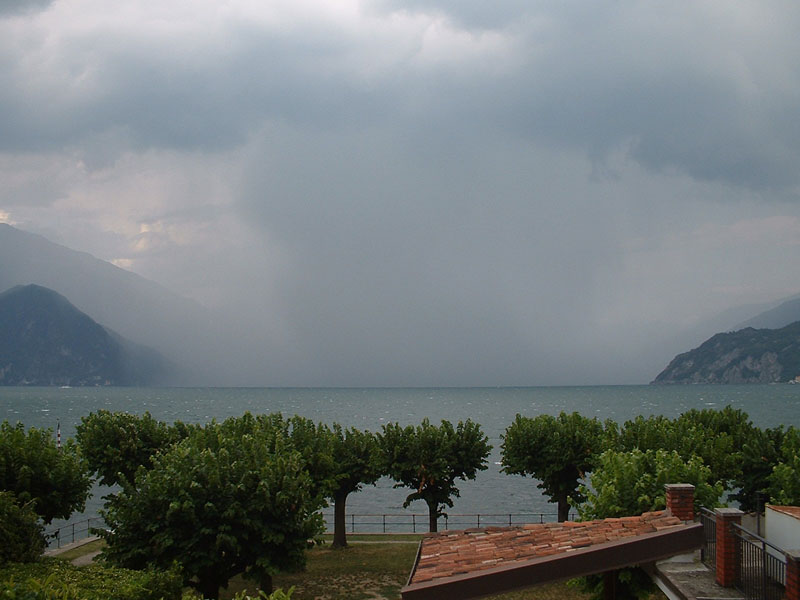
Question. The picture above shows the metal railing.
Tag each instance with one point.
(708, 553)
(418, 522)
(72, 532)
(762, 566)
(356, 523)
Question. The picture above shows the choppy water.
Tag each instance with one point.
(493, 408)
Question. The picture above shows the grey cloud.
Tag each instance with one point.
(596, 78)
(21, 7)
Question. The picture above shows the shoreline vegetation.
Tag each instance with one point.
(226, 506)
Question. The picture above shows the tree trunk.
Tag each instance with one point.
(339, 520)
(433, 515)
(265, 584)
(563, 509)
(209, 588)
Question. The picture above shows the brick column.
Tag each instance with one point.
(727, 546)
(680, 500)
(792, 575)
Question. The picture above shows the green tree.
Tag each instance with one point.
(314, 442)
(54, 480)
(558, 451)
(716, 436)
(20, 531)
(760, 454)
(429, 459)
(358, 461)
(784, 481)
(116, 444)
(218, 505)
(631, 483)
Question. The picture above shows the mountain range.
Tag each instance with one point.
(137, 309)
(213, 348)
(45, 340)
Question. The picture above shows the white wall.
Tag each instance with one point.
(782, 530)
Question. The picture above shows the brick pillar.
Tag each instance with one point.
(792, 575)
(727, 546)
(680, 500)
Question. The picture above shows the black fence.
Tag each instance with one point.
(418, 522)
(762, 566)
(708, 553)
(73, 532)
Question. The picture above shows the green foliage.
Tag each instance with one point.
(760, 454)
(556, 450)
(630, 483)
(311, 441)
(117, 444)
(429, 459)
(54, 480)
(784, 481)
(717, 437)
(20, 531)
(358, 461)
(632, 584)
(232, 498)
(53, 579)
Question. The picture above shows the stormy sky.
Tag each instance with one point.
(421, 192)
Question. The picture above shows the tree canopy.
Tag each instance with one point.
(784, 481)
(630, 483)
(54, 480)
(558, 451)
(219, 504)
(116, 444)
(429, 458)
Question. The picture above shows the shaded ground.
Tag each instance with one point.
(372, 568)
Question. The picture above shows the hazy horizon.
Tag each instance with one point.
(421, 193)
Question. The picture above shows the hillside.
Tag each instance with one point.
(781, 315)
(745, 356)
(138, 309)
(45, 340)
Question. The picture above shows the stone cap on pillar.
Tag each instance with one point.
(728, 512)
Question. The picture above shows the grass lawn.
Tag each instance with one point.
(78, 551)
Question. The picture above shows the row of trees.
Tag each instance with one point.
(243, 495)
(716, 450)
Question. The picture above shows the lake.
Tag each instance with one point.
(493, 408)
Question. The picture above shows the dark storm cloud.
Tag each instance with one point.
(674, 88)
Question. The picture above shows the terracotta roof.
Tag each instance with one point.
(524, 555)
(454, 552)
(792, 511)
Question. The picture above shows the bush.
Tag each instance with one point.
(20, 531)
(34, 469)
(54, 579)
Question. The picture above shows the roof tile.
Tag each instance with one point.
(454, 552)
